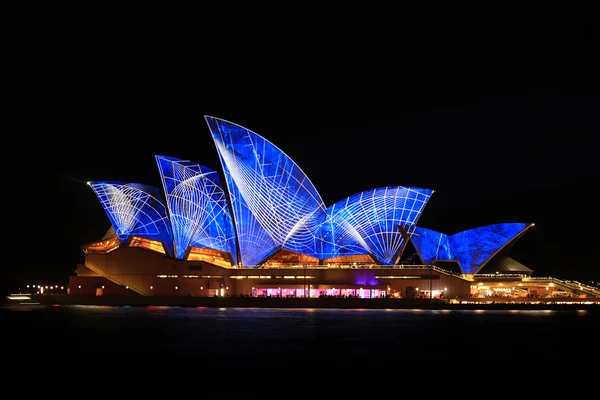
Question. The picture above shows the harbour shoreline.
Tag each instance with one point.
(273, 302)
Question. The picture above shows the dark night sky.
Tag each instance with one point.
(497, 110)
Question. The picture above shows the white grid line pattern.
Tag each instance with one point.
(271, 194)
(132, 209)
(376, 216)
(197, 206)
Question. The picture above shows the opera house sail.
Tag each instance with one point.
(274, 203)
(376, 222)
(135, 210)
(472, 248)
(197, 207)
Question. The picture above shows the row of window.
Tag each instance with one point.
(238, 276)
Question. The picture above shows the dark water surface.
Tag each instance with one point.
(168, 341)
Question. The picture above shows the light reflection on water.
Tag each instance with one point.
(234, 334)
(106, 344)
(255, 312)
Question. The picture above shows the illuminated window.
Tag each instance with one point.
(149, 244)
(355, 259)
(219, 258)
(104, 246)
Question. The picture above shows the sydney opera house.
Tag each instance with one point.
(261, 229)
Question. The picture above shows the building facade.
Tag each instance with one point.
(262, 229)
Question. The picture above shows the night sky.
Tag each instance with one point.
(496, 110)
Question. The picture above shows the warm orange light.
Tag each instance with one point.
(211, 256)
(144, 243)
(102, 246)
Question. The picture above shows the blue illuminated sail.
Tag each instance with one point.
(432, 245)
(135, 210)
(197, 206)
(474, 247)
(274, 204)
(373, 222)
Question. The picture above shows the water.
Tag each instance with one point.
(166, 342)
